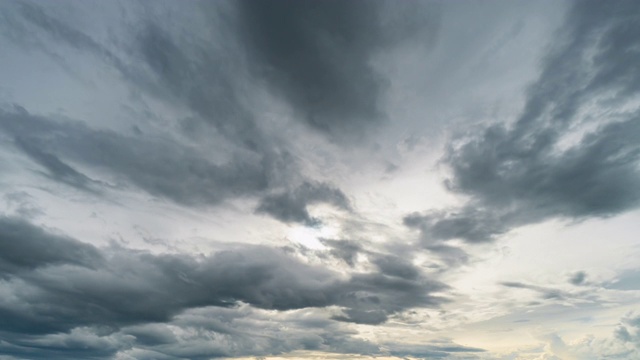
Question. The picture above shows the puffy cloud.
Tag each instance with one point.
(161, 167)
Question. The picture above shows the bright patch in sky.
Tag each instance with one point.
(310, 236)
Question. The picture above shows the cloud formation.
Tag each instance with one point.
(291, 207)
(54, 285)
(170, 132)
(318, 58)
(556, 159)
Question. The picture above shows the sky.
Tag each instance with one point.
(297, 179)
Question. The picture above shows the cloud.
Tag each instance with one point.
(319, 56)
(369, 317)
(25, 248)
(70, 299)
(57, 284)
(160, 166)
(292, 206)
(22, 204)
(545, 292)
(563, 156)
(397, 267)
(578, 278)
(202, 80)
(58, 170)
(189, 72)
(624, 344)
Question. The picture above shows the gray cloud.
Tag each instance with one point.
(161, 167)
(24, 248)
(346, 250)
(627, 280)
(58, 170)
(319, 56)
(59, 284)
(578, 278)
(521, 173)
(397, 267)
(22, 204)
(253, 333)
(292, 206)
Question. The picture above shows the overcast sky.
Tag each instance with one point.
(296, 179)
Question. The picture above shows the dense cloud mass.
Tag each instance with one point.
(318, 57)
(159, 166)
(557, 159)
(54, 284)
(323, 179)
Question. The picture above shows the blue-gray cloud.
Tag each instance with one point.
(291, 206)
(59, 285)
(520, 173)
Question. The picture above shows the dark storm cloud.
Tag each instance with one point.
(390, 265)
(24, 247)
(179, 68)
(22, 204)
(521, 173)
(627, 280)
(246, 332)
(58, 30)
(629, 330)
(161, 167)
(318, 55)
(58, 284)
(470, 224)
(292, 206)
(397, 267)
(191, 73)
(39, 22)
(369, 317)
(346, 250)
(204, 80)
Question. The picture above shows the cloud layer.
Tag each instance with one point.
(319, 178)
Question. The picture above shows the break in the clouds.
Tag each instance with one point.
(319, 179)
